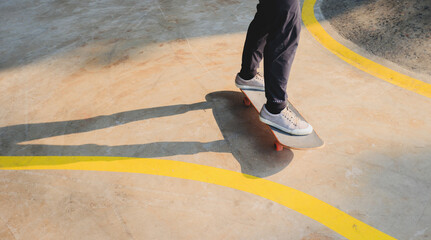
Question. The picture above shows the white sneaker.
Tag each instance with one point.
(256, 83)
(286, 121)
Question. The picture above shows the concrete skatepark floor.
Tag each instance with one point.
(150, 79)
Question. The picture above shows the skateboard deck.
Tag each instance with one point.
(283, 140)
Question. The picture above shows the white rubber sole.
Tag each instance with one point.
(297, 132)
(245, 87)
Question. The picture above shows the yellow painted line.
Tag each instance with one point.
(357, 60)
(303, 203)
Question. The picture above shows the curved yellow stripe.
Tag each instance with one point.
(357, 60)
(312, 207)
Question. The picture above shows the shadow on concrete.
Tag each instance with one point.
(245, 137)
(250, 141)
(33, 31)
(399, 18)
(396, 30)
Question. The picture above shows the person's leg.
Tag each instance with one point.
(255, 42)
(279, 52)
(283, 36)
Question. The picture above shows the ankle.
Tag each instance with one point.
(274, 110)
(247, 75)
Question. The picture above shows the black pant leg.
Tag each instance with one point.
(255, 41)
(279, 51)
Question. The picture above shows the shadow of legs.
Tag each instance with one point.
(249, 140)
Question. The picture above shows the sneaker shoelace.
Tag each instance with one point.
(259, 76)
(291, 116)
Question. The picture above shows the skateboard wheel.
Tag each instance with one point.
(278, 147)
(246, 101)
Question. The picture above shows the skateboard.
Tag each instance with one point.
(282, 140)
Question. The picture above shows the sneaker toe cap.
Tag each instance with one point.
(305, 129)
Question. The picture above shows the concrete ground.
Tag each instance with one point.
(154, 79)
